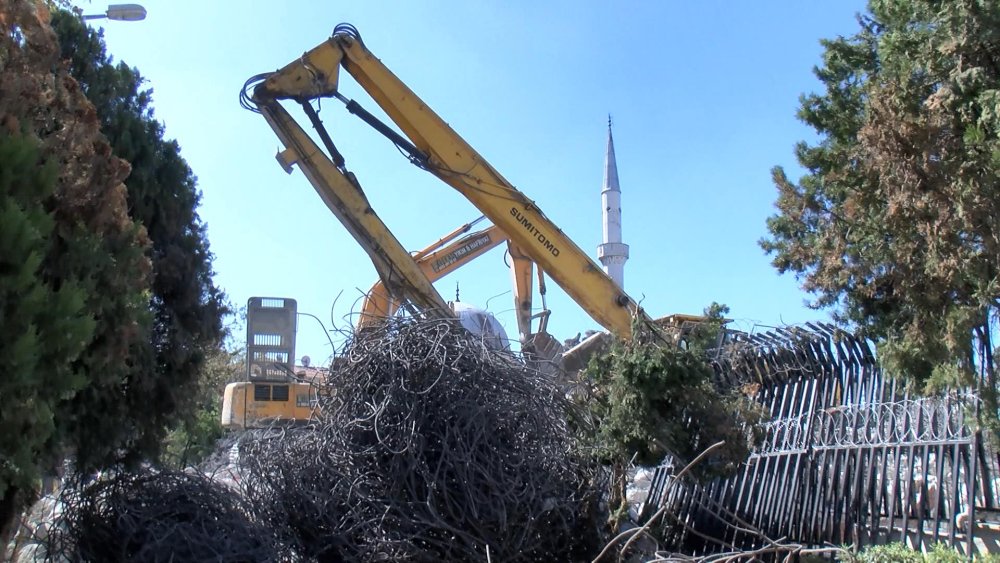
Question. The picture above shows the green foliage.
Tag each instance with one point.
(72, 268)
(185, 306)
(704, 338)
(650, 399)
(194, 438)
(899, 553)
(889, 553)
(44, 323)
(894, 223)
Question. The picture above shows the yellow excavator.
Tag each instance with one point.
(431, 145)
(274, 388)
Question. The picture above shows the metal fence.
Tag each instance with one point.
(849, 457)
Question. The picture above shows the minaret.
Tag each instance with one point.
(613, 253)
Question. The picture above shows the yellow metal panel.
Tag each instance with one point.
(312, 76)
(233, 405)
(521, 270)
(445, 260)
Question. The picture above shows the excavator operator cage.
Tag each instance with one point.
(270, 338)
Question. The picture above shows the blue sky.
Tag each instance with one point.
(703, 96)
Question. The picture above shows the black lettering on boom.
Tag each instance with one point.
(528, 226)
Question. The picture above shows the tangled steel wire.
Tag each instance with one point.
(432, 447)
(156, 516)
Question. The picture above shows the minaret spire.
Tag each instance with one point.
(613, 252)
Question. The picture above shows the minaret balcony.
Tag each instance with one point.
(610, 250)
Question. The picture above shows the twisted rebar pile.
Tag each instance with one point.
(431, 447)
(156, 516)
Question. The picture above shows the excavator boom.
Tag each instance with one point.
(434, 146)
(436, 261)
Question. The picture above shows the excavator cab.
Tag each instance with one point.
(271, 391)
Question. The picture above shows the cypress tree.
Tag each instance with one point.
(44, 322)
(895, 224)
(186, 307)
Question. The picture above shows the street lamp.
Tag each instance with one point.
(121, 12)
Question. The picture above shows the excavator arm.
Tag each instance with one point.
(341, 192)
(436, 261)
(446, 255)
(432, 145)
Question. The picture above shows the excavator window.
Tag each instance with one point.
(279, 393)
(261, 392)
(270, 393)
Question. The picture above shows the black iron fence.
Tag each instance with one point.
(849, 457)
